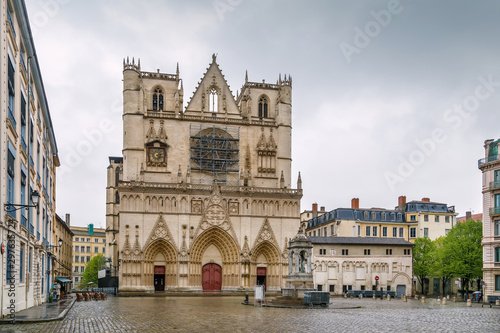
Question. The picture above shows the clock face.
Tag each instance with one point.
(157, 155)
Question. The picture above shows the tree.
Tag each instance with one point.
(423, 259)
(442, 268)
(91, 271)
(462, 247)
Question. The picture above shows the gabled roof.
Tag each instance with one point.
(213, 77)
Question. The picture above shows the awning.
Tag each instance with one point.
(63, 280)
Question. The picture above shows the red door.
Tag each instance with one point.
(211, 277)
(261, 276)
(159, 278)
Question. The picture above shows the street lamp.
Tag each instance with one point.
(35, 198)
(60, 242)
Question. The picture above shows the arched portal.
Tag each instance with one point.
(160, 260)
(212, 246)
(265, 266)
(211, 277)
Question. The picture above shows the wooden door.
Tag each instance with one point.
(261, 276)
(159, 278)
(211, 277)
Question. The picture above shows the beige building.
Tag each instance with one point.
(62, 251)
(86, 245)
(202, 198)
(306, 215)
(353, 263)
(28, 163)
(490, 167)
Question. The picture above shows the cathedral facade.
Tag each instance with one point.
(202, 197)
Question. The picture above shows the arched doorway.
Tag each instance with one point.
(266, 266)
(160, 265)
(215, 246)
(211, 277)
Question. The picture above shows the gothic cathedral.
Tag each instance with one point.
(201, 199)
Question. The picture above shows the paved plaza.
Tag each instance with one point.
(227, 314)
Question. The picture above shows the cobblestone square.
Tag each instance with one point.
(227, 314)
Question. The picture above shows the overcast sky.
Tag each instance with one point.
(390, 98)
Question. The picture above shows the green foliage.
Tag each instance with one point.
(424, 257)
(91, 270)
(462, 251)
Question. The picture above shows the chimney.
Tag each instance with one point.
(468, 216)
(67, 220)
(402, 202)
(355, 203)
(426, 200)
(322, 208)
(315, 209)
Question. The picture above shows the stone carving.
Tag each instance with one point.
(234, 208)
(196, 206)
(265, 234)
(245, 253)
(160, 231)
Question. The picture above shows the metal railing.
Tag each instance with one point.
(495, 211)
(488, 159)
(494, 185)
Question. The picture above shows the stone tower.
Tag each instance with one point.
(201, 198)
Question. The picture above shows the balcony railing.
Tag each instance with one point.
(24, 221)
(488, 159)
(32, 229)
(494, 185)
(38, 235)
(495, 211)
(10, 21)
(11, 117)
(23, 143)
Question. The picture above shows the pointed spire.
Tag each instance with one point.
(279, 80)
(133, 61)
(282, 180)
(128, 61)
(182, 86)
(246, 76)
(299, 182)
(177, 70)
(139, 63)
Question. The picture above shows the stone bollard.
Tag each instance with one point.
(469, 303)
(438, 300)
(405, 299)
(497, 302)
(445, 301)
(454, 299)
(345, 295)
(422, 299)
(448, 297)
(352, 296)
(388, 297)
(416, 297)
(374, 296)
(360, 296)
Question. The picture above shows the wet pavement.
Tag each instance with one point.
(227, 314)
(45, 312)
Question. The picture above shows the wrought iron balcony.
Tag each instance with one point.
(488, 159)
(495, 211)
(494, 185)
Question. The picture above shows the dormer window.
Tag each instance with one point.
(213, 100)
(158, 100)
(263, 107)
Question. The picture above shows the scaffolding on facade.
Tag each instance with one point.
(214, 154)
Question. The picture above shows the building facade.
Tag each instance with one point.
(86, 245)
(361, 263)
(434, 219)
(28, 164)
(202, 197)
(62, 250)
(407, 221)
(490, 167)
(362, 222)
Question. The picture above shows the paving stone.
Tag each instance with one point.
(227, 314)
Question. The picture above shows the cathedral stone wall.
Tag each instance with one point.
(202, 198)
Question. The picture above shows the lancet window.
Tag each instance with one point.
(263, 106)
(158, 100)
